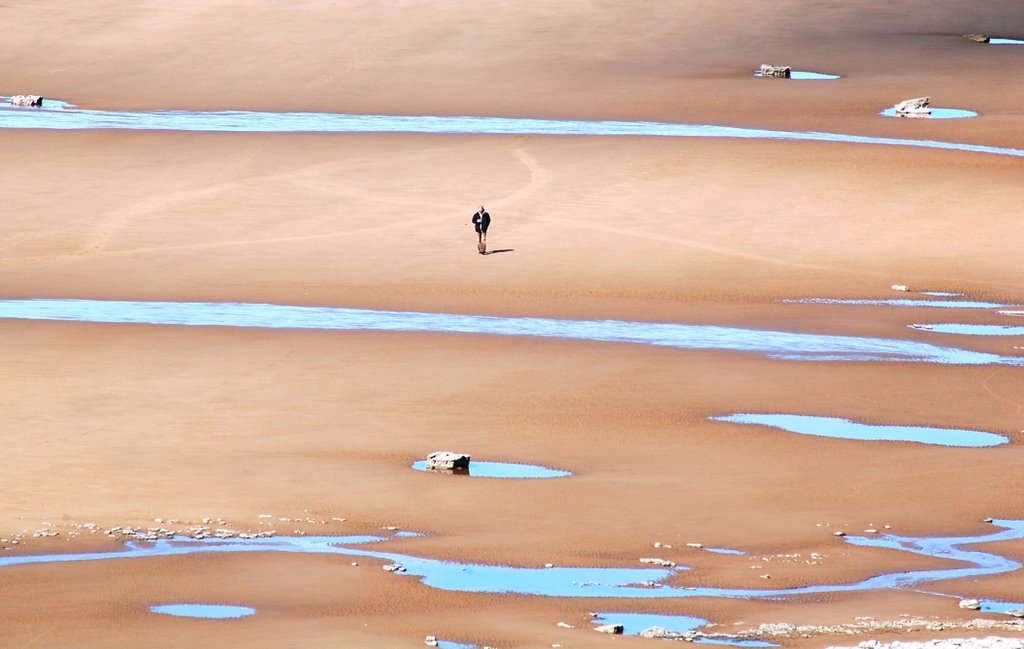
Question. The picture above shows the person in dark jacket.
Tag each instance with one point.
(481, 221)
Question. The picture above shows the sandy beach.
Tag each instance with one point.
(312, 432)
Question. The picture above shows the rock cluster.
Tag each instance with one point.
(779, 71)
(658, 562)
(26, 100)
(977, 38)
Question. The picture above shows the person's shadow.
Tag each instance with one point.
(494, 252)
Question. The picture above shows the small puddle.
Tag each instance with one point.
(636, 623)
(725, 551)
(61, 116)
(804, 75)
(1005, 41)
(971, 329)
(845, 429)
(209, 611)
(451, 644)
(903, 302)
(498, 470)
(779, 345)
(937, 113)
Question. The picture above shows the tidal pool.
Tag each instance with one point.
(209, 611)
(773, 344)
(1005, 41)
(500, 470)
(635, 623)
(971, 329)
(845, 429)
(62, 116)
(622, 583)
(937, 113)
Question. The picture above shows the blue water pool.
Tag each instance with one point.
(846, 429)
(61, 116)
(209, 611)
(805, 75)
(937, 113)
(502, 470)
(773, 344)
(583, 582)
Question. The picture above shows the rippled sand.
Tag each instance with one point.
(122, 424)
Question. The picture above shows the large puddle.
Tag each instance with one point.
(62, 116)
(773, 344)
(846, 429)
(622, 583)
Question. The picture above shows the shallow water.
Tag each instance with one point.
(906, 302)
(1005, 41)
(635, 623)
(937, 113)
(451, 644)
(971, 329)
(773, 344)
(209, 611)
(638, 583)
(500, 470)
(846, 429)
(803, 75)
(61, 116)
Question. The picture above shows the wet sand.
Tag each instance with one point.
(122, 424)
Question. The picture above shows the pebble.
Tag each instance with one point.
(564, 625)
(658, 562)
